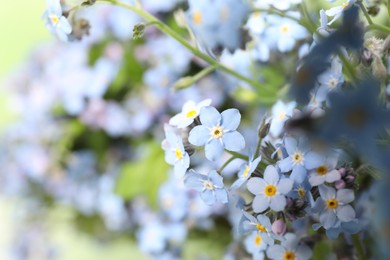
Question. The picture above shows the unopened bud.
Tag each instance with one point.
(88, 2)
(279, 227)
(340, 184)
(342, 171)
(138, 30)
(350, 179)
(183, 83)
(264, 130)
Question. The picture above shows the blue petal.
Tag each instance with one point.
(285, 185)
(213, 150)
(285, 165)
(221, 195)
(345, 213)
(312, 160)
(298, 174)
(328, 219)
(278, 203)
(256, 185)
(199, 135)
(208, 197)
(216, 179)
(260, 203)
(210, 117)
(271, 175)
(326, 192)
(290, 144)
(345, 196)
(275, 252)
(230, 119)
(233, 141)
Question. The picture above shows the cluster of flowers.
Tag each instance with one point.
(264, 186)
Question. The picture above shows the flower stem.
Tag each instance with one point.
(226, 164)
(238, 155)
(169, 31)
(364, 10)
(359, 247)
(379, 27)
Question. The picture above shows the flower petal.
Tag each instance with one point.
(345, 196)
(230, 119)
(278, 203)
(260, 203)
(290, 144)
(345, 213)
(285, 165)
(199, 135)
(213, 150)
(285, 185)
(271, 175)
(233, 141)
(256, 185)
(328, 218)
(210, 117)
(298, 174)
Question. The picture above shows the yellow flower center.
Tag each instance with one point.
(297, 158)
(270, 190)
(197, 17)
(217, 132)
(246, 171)
(282, 116)
(54, 19)
(345, 4)
(301, 192)
(257, 240)
(179, 154)
(208, 185)
(289, 255)
(332, 83)
(191, 113)
(284, 29)
(261, 228)
(322, 170)
(332, 203)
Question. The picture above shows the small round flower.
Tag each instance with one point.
(210, 186)
(189, 112)
(255, 245)
(261, 224)
(175, 153)
(289, 249)
(270, 191)
(280, 113)
(55, 21)
(245, 172)
(325, 172)
(334, 206)
(218, 131)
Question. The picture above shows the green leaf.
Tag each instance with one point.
(143, 177)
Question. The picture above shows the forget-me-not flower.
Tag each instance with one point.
(255, 245)
(56, 23)
(218, 131)
(189, 112)
(337, 11)
(280, 113)
(289, 249)
(175, 154)
(246, 169)
(270, 191)
(261, 224)
(325, 172)
(299, 159)
(333, 206)
(210, 186)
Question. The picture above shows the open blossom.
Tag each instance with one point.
(334, 207)
(55, 21)
(280, 113)
(261, 224)
(175, 153)
(270, 191)
(218, 131)
(337, 11)
(255, 245)
(189, 112)
(210, 186)
(289, 249)
(245, 172)
(325, 172)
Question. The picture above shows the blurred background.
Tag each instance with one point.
(22, 31)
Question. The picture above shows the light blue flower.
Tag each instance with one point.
(173, 199)
(261, 224)
(281, 112)
(270, 191)
(334, 206)
(299, 159)
(152, 237)
(302, 191)
(56, 23)
(350, 227)
(218, 131)
(210, 186)
(289, 249)
(325, 172)
(246, 169)
(175, 153)
(255, 245)
(337, 11)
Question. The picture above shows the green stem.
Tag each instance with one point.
(226, 164)
(379, 27)
(169, 31)
(238, 155)
(359, 247)
(388, 8)
(364, 10)
(348, 67)
(203, 73)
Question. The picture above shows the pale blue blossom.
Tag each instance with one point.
(175, 154)
(261, 224)
(218, 131)
(255, 245)
(334, 207)
(281, 112)
(270, 191)
(189, 112)
(291, 248)
(210, 186)
(56, 23)
(246, 169)
(325, 172)
(337, 11)
(299, 160)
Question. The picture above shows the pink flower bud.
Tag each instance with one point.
(342, 171)
(279, 227)
(340, 184)
(349, 178)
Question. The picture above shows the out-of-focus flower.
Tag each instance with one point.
(289, 249)
(246, 169)
(325, 172)
(189, 112)
(255, 245)
(56, 23)
(280, 113)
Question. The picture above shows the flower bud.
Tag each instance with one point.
(340, 184)
(183, 83)
(379, 69)
(349, 179)
(342, 171)
(138, 30)
(279, 227)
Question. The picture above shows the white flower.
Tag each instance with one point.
(280, 113)
(189, 112)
